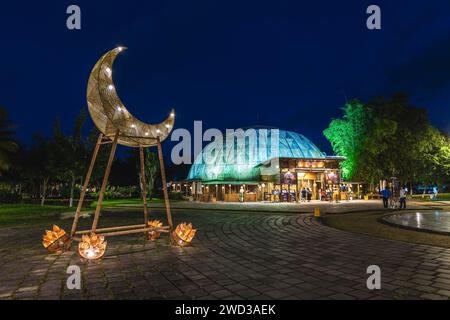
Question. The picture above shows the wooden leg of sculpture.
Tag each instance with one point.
(143, 184)
(164, 184)
(105, 182)
(85, 185)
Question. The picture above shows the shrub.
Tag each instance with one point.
(9, 197)
(176, 195)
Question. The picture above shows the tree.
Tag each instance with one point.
(69, 154)
(151, 169)
(386, 138)
(409, 152)
(101, 160)
(7, 144)
(39, 165)
(371, 163)
(347, 135)
(436, 165)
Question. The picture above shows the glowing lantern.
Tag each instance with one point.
(154, 234)
(183, 234)
(92, 246)
(56, 241)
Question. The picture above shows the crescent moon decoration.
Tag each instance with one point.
(118, 126)
(110, 114)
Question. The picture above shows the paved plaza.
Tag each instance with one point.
(235, 255)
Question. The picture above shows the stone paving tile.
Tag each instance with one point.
(236, 255)
(430, 296)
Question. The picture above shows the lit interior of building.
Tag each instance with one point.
(268, 165)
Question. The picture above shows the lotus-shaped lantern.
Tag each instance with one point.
(56, 240)
(92, 246)
(154, 234)
(183, 234)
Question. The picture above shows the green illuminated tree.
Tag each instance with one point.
(348, 134)
(389, 137)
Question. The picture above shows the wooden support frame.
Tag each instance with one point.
(86, 184)
(125, 230)
(104, 182)
(137, 226)
(164, 184)
(121, 230)
(143, 183)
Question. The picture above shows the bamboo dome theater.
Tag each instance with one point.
(259, 164)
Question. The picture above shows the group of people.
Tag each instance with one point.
(326, 194)
(306, 194)
(387, 195)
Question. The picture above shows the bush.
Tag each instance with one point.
(176, 195)
(9, 197)
(65, 192)
(113, 192)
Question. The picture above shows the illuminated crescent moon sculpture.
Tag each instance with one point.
(110, 114)
(118, 126)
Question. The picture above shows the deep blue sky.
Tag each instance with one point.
(289, 64)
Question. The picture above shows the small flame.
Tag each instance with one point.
(184, 233)
(51, 236)
(155, 223)
(154, 234)
(56, 240)
(92, 246)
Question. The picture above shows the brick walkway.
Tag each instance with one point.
(234, 256)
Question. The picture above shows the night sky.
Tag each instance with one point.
(288, 64)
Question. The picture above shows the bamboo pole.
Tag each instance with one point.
(105, 182)
(143, 184)
(125, 232)
(85, 185)
(112, 229)
(164, 184)
(123, 228)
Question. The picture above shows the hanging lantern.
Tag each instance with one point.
(56, 241)
(154, 234)
(92, 247)
(183, 234)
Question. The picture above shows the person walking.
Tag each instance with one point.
(403, 198)
(330, 194)
(303, 193)
(241, 194)
(435, 192)
(308, 194)
(386, 194)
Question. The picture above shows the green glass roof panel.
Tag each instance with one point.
(218, 161)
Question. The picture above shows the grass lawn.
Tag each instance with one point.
(440, 197)
(367, 223)
(21, 215)
(124, 202)
(35, 215)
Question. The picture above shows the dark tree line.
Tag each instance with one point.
(54, 167)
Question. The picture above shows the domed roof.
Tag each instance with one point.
(240, 160)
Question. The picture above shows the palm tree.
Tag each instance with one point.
(7, 144)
